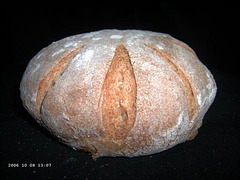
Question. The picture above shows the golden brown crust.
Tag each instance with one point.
(48, 81)
(189, 91)
(119, 97)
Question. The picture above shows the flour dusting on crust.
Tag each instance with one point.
(72, 107)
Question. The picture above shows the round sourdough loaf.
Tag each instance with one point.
(118, 92)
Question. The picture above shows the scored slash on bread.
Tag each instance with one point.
(48, 81)
(189, 91)
(119, 93)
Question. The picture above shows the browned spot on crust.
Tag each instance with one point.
(119, 98)
(194, 131)
(180, 44)
(193, 135)
(48, 81)
(189, 92)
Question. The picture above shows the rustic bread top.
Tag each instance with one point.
(131, 88)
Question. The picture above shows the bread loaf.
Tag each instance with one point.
(118, 92)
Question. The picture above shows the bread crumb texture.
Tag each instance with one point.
(118, 92)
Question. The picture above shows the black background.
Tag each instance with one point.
(206, 27)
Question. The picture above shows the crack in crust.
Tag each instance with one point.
(189, 91)
(119, 92)
(48, 81)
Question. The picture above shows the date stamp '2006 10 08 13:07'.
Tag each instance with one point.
(29, 165)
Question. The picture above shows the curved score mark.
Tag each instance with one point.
(48, 81)
(180, 44)
(189, 92)
(119, 92)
